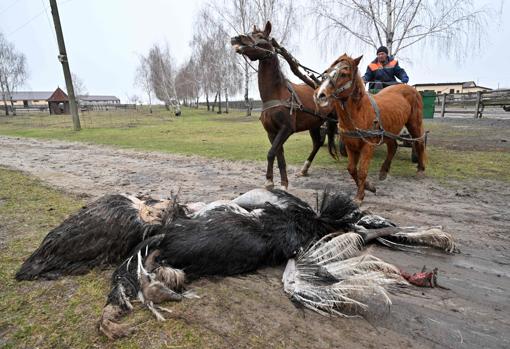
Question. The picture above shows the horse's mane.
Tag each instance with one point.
(279, 76)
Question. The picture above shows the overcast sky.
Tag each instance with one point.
(104, 37)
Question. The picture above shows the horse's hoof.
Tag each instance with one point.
(269, 185)
(357, 201)
(302, 174)
(284, 187)
(420, 174)
(370, 187)
(383, 175)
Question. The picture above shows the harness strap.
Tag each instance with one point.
(377, 112)
(273, 103)
(362, 134)
(341, 89)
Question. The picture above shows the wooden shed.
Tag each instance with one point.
(58, 102)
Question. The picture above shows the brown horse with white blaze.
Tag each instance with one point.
(287, 107)
(360, 127)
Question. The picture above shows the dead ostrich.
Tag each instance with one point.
(162, 245)
(264, 228)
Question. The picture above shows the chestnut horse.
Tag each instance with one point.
(366, 121)
(287, 107)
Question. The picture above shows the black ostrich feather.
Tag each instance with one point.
(100, 234)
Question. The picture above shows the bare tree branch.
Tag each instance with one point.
(13, 71)
(450, 25)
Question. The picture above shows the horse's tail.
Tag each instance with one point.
(331, 133)
(418, 107)
(416, 103)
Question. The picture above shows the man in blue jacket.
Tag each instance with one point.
(382, 71)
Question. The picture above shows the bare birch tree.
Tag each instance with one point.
(452, 26)
(143, 78)
(79, 87)
(226, 73)
(13, 71)
(216, 60)
(187, 82)
(201, 48)
(162, 75)
(239, 16)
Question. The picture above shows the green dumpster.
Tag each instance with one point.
(429, 104)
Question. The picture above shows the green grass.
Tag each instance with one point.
(236, 137)
(62, 313)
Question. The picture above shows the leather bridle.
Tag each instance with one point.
(344, 87)
(267, 53)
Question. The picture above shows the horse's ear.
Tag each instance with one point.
(357, 60)
(267, 29)
(255, 28)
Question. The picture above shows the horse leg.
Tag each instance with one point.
(315, 133)
(416, 131)
(391, 146)
(353, 158)
(276, 143)
(270, 162)
(366, 154)
(282, 166)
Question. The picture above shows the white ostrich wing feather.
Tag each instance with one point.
(334, 247)
(428, 236)
(359, 266)
(331, 278)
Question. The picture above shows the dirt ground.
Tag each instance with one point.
(252, 310)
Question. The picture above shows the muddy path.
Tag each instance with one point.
(252, 310)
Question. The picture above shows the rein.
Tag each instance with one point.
(268, 55)
(277, 50)
(293, 103)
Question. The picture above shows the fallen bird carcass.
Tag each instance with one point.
(101, 234)
(327, 270)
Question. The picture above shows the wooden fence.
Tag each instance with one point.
(478, 100)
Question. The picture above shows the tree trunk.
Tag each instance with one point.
(10, 98)
(197, 103)
(150, 103)
(207, 102)
(389, 26)
(4, 97)
(226, 101)
(214, 103)
(219, 101)
(246, 85)
(12, 108)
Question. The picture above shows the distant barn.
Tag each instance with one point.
(58, 103)
(31, 99)
(95, 100)
(451, 87)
